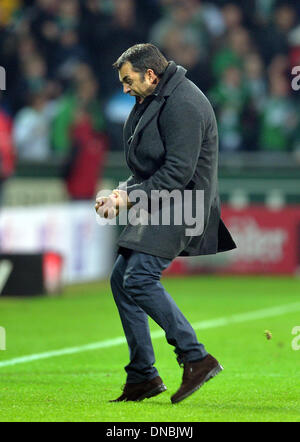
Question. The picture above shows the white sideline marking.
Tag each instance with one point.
(211, 323)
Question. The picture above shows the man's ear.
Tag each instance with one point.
(152, 76)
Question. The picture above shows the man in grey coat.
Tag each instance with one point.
(171, 148)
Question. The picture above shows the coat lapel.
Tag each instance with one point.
(126, 132)
(155, 105)
(147, 116)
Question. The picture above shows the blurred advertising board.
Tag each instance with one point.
(69, 229)
(268, 242)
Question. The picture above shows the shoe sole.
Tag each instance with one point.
(212, 373)
(157, 390)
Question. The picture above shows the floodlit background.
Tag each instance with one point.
(62, 111)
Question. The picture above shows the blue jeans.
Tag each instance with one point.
(138, 293)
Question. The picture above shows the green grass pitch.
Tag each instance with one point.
(260, 381)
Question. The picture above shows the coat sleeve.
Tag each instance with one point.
(181, 126)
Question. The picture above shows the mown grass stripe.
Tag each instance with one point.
(211, 323)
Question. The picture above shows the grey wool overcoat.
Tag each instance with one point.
(175, 147)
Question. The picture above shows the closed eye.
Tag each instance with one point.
(127, 80)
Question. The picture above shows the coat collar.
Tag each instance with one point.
(172, 76)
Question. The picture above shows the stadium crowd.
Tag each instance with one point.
(62, 94)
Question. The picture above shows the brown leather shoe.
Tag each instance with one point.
(195, 374)
(142, 390)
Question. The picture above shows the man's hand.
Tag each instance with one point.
(109, 207)
(106, 206)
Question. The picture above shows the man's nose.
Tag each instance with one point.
(126, 88)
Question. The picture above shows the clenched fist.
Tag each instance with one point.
(110, 206)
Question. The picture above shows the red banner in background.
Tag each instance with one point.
(268, 242)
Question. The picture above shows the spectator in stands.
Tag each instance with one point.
(68, 16)
(279, 66)
(272, 38)
(7, 154)
(88, 154)
(121, 31)
(177, 47)
(32, 73)
(92, 31)
(27, 48)
(232, 16)
(148, 12)
(254, 71)
(32, 126)
(237, 45)
(187, 16)
(229, 99)
(279, 117)
(257, 89)
(79, 135)
(264, 11)
(212, 18)
(83, 94)
(69, 54)
(44, 28)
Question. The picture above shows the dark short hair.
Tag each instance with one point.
(143, 56)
